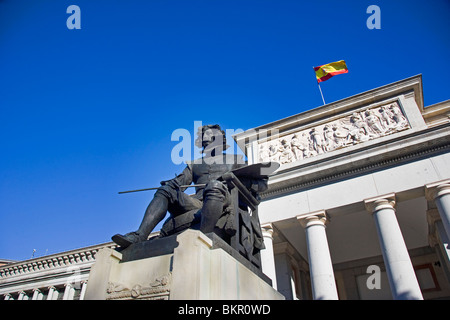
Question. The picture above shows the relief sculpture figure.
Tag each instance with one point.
(358, 127)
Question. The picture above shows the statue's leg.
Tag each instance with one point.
(156, 211)
(215, 196)
(184, 214)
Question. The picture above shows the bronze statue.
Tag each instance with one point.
(209, 208)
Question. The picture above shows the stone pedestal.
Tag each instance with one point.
(188, 266)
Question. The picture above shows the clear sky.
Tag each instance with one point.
(90, 112)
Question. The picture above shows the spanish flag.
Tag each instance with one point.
(326, 71)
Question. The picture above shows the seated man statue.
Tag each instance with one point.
(211, 201)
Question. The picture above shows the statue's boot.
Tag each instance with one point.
(126, 240)
(156, 211)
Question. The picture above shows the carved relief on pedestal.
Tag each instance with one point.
(158, 289)
(358, 127)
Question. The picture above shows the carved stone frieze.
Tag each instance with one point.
(365, 125)
(158, 289)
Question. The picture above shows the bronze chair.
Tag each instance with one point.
(241, 229)
(248, 238)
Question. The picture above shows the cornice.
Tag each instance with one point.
(52, 262)
(409, 85)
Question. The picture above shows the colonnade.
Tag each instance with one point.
(51, 292)
(402, 279)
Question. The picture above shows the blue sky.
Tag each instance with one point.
(87, 113)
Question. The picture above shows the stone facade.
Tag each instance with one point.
(363, 185)
(359, 209)
(61, 276)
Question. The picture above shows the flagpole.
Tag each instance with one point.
(320, 89)
(318, 84)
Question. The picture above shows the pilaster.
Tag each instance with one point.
(267, 255)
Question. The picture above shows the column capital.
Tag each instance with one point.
(437, 189)
(375, 204)
(267, 229)
(36, 293)
(314, 218)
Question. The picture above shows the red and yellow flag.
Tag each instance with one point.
(329, 70)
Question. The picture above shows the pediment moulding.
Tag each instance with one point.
(374, 129)
(380, 114)
(410, 87)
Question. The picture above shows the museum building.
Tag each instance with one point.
(359, 208)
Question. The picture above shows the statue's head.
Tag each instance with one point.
(211, 137)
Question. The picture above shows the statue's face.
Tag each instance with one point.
(208, 137)
(212, 139)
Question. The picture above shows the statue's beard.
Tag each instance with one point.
(212, 149)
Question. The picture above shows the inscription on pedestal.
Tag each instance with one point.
(159, 289)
